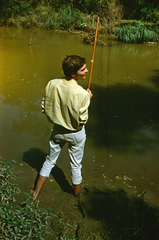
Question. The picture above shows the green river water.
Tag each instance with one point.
(123, 129)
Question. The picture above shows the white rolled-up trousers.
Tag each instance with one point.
(76, 141)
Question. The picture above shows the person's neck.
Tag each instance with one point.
(74, 79)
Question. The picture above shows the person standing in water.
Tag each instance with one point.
(66, 105)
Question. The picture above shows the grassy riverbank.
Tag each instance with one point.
(47, 17)
(130, 24)
(23, 221)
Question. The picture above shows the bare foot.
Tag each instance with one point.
(41, 181)
(34, 194)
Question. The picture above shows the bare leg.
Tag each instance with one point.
(40, 183)
(77, 189)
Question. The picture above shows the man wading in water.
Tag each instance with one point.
(66, 105)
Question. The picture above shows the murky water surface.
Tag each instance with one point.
(123, 128)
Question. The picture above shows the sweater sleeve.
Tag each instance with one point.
(83, 113)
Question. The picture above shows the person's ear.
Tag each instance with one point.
(73, 76)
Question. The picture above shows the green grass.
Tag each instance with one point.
(71, 18)
(26, 222)
(47, 18)
(138, 32)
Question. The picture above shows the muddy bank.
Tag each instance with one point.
(106, 209)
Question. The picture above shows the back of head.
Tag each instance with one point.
(71, 64)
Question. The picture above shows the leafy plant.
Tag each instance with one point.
(51, 23)
(51, 20)
(71, 18)
(65, 238)
(148, 10)
(141, 9)
(87, 6)
(7, 189)
(26, 222)
(137, 32)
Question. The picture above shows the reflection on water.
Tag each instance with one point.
(123, 128)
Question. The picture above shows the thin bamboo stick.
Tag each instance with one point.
(95, 41)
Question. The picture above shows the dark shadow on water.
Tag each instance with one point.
(35, 158)
(155, 79)
(121, 217)
(120, 110)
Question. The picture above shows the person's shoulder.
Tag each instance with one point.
(55, 81)
(81, 89)
(82, 93)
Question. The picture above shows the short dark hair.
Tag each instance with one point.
(71, 64)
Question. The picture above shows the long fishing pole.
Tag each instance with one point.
(95, 41)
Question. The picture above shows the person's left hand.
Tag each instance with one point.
(90, 93)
